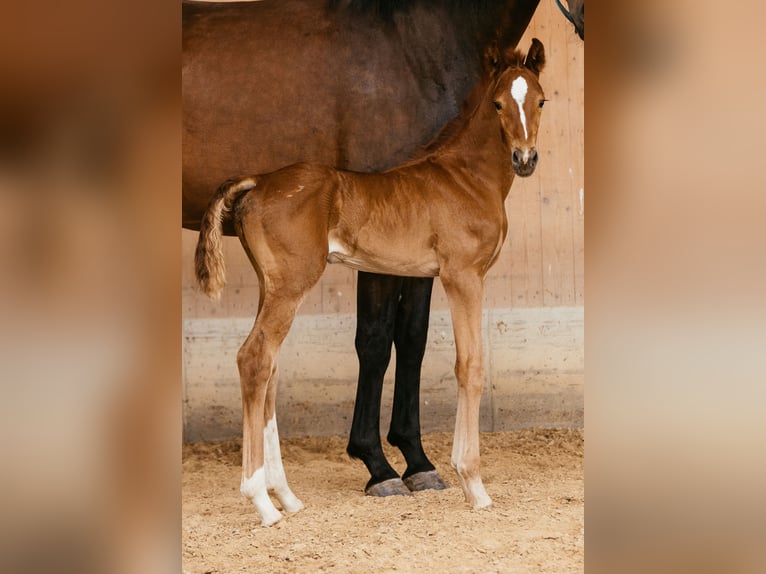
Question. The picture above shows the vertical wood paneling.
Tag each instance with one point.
(553, 141)
(555, 230)
(576, 94)
(525, 243)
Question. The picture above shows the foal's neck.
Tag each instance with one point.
(477, 148)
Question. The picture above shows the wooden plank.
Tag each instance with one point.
(576, 88)
(240, 296)
(525, 243)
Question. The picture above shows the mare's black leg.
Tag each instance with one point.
(410, 337)
(377, 300)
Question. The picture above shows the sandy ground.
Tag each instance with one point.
(534, 477)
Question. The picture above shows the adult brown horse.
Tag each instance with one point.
(441, 214)
(353, 84)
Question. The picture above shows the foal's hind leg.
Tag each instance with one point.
(257, 368)
(410, 337)
(276, 481)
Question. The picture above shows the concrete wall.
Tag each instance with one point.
(533, 357)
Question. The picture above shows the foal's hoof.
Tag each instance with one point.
(428, 480)
(390, 487)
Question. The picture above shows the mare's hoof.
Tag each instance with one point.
(428, 480)
(390, 487)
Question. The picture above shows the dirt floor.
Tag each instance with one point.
(535, 479)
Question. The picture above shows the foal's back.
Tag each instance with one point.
(396, 222)
(370, 221)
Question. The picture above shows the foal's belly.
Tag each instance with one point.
(389, 258)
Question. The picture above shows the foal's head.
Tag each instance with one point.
(519, 100)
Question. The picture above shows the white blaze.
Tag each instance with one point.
(519, 94)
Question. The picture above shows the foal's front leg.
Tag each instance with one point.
(465, 293)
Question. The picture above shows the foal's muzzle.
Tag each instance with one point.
(524, 162)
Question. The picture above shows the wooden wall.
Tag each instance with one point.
(535, 292)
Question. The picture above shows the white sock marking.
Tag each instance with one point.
(519, 94)
(272, 461)
(255, 489)
(275, 471)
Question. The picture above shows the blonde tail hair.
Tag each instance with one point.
(209, 266)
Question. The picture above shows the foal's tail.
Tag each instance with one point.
(209, 266)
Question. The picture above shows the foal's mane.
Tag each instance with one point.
(511, 59)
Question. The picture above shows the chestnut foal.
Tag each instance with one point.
(440, 214)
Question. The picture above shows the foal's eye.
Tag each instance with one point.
(542, 103)
(498, 106)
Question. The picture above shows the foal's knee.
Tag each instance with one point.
(469, 372)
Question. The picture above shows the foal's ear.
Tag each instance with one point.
(492, 59)
(535, 59)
